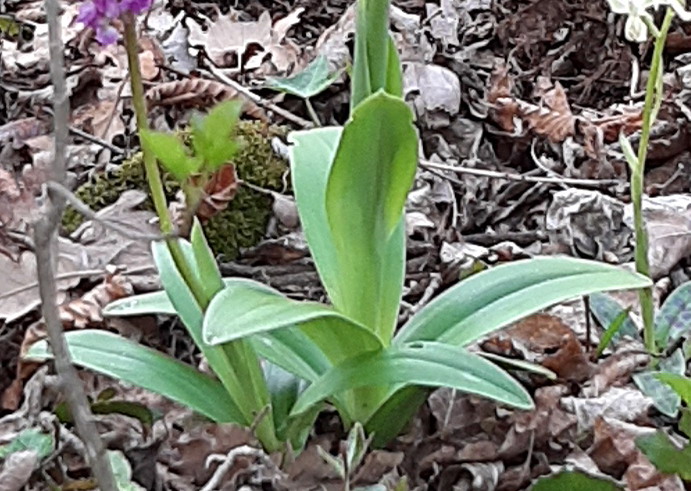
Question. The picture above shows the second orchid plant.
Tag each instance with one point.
(640, 24)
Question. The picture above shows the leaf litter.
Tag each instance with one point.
(516, 87)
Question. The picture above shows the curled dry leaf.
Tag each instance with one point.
(19, 130)
(218, 192)
(199, 93)
(546, 340)
(76, 314)
(551, 118)
(17, 470)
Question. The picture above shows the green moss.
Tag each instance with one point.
(240, 225)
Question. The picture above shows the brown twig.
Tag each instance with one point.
(45, 238)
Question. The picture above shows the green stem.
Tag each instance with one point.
(244, 378)
(153, 175)
(313, 114)
(637, 177)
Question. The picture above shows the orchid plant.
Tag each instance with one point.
(639, 25)
(276, 359)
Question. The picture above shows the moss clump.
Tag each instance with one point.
(240, 225)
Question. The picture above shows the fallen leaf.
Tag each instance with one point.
(17, 470)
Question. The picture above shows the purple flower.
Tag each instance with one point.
(100, 14)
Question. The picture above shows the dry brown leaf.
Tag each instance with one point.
(546, 340)
(218, 192)
(200, 93)
(551, 118)
(17, 131)
(76, 314)
(17, 470)
(247, 45)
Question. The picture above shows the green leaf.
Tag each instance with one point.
(365, 196)
(29, 439)
(243, 309)
(685, 422)
(171, 152)
(665, 399)
(311, 155)
(212, 134)
(314, 79)
(673, 321)
(524, 365)
(122, 471)
(665, 455)
(605, 309)
(495, 298)
(144, 304)
(574, 481)
(205, 261)
(629, 153)
(371, 50)
(427, 364)
(120, 358)
(395, 413)
(679, 384)
(612, 331)
(394, 77)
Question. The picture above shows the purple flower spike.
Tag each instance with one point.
(100, 14)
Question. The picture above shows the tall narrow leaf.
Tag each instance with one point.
(371, 175)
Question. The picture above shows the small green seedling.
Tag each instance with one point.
(672, 328)
(313, 80)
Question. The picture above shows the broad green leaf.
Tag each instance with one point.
(673, 320)
(665, 455)
(235, 364)
(130, 362)
(497, 297)
(205, 261)
(679, 384)
(366, 192)
(29, 439)
(427, 364)
(213, 134)
(519, 364)
(665, 399)
(606, 309)
(574, 480)
(311, 155)
(313, 80)
(685, 421)
(243, 309)
(171, 152)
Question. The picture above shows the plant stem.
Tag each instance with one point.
(245, 380)
(637, 176)
(153, 175)
(313, 114)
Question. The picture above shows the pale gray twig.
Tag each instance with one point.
(228, 461)
(82, 208)
(45, 239)
(592, 183)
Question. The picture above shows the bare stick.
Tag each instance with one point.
(45, 238)
(66, 195)
(259, 100)
(593, 183)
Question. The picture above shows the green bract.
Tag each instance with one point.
(351, 185)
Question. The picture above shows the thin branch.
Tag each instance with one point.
(592, 183)
(258, 99)
(45, 238)
(97, 140)
(127, 232)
